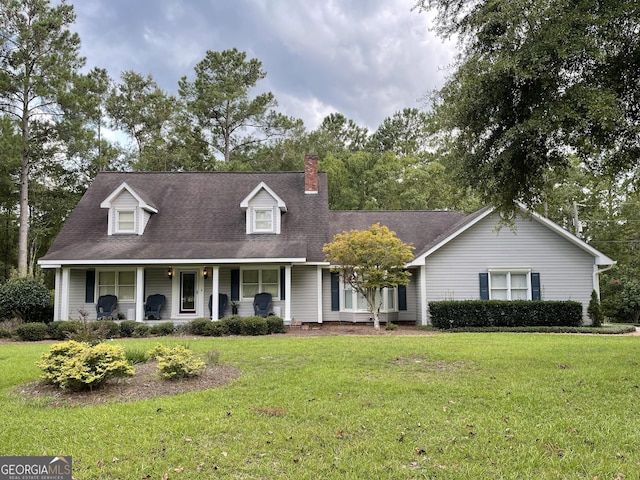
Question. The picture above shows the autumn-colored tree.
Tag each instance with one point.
(370, 260)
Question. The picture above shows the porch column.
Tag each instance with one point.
(319, 292)
(140, 294)
(64, 293)
(287, 297)
(423, 318)
(215, 289)
(56, 295)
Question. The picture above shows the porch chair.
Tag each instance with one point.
(262, 304)
(153, 305)
(106, 306)
(223, 299)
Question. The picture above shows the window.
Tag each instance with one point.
(509, 285)
(122, 284)
(125, 221)
(352, 298)
(263, 220)
(256, 281)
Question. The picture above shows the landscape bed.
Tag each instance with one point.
(445, 406)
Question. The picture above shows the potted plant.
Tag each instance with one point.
(234, 307)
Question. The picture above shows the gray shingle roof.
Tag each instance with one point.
(199, 217)
(422, 229)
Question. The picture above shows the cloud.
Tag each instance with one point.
(365, 60)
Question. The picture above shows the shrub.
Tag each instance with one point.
(163, 329)
(216, 329)
(106, 329)
(198, 326)
(32, 332)
(77, 366)
(391, 326)
(234, 324)
(496, 313)
(25, 298)
(275, 324)
(127, 327)
(177, 362)
(141, 330)
(254, 326)
(594, 310)
(62, 330)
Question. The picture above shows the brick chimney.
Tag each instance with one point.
(311, 174)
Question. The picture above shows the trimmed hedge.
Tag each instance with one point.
(498, 313)
(275, 324)
(33, 332)
(163, 329)
(252, 326)
(127, 327)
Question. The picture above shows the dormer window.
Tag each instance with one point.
(263, 220)
(264, 209)
(129, 212)
(126, 221)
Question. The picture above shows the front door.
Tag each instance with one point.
(188, 292)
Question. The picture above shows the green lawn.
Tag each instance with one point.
(447, 406)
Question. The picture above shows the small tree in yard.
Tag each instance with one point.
(594, 310)
(368, 261)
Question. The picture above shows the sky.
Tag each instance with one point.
(365, 59)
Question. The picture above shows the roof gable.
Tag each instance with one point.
(263, 186)
(107, 202)
(472, 219)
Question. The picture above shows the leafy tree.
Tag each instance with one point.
(23, 297)
(370, 260)
(219, 106)
(10, 153)
(143, 110)
(39, 56)
(405, 133)
(536, 80)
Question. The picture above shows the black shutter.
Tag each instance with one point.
(402, 297)
(90, 286)
(235, 285)
(335, 292)
(282, 290)
(484, 286)
(535, 286)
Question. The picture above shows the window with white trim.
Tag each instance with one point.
(121, 283)
(259, 280)
(263, 220)
(509, 285)
(351, 297)
(125, 221)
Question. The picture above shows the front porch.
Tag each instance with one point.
(187, 288)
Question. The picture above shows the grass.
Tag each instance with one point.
(448, 406)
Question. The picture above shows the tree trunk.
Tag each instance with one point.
(23, 231)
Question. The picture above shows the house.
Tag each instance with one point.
(193, 236)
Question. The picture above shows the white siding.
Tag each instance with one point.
(124, 201)
(303, 295)
(566, 271)
(77, 287)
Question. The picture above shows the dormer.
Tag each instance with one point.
(263, 209)
(129, 213)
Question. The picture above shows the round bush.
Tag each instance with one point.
(275, 324)
(127, 327)
(216, 329)
(198, 326)
(33, 332)
(62, 330)
(234, 324)
(252, 326)
(163, 329)
(141, 330)
(25, 298)
(79, 366)
(106, 328)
